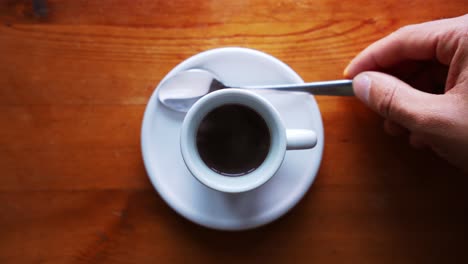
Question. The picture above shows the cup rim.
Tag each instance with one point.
(220, 182)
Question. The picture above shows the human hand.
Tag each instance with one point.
(417, 79)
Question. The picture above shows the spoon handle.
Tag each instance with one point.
(337, 87)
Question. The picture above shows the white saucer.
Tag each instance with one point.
(213, 209)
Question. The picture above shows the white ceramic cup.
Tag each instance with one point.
(282, 139)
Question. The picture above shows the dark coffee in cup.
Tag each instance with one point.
(233, 140)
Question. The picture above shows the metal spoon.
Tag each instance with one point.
(182, 90)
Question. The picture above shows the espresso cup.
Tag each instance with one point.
(280, 140)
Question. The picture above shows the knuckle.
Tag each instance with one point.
(386, 105)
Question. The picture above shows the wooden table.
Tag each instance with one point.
(74, 80)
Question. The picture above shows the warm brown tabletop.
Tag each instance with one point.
(75, 77)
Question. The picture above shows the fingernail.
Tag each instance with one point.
(361, 85)
(346, 71)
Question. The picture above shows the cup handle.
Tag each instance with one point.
(300, 139)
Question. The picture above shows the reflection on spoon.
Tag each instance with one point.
(182, 90)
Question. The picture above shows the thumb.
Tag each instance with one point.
(395, 100)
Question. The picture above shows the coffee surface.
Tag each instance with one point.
(233, 140)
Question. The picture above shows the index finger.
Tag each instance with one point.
(425, 41)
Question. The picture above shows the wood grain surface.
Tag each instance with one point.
(74, 80)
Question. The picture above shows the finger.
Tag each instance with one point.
(400, 103)
(393, 128)
(458, 72)
(426, 41)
